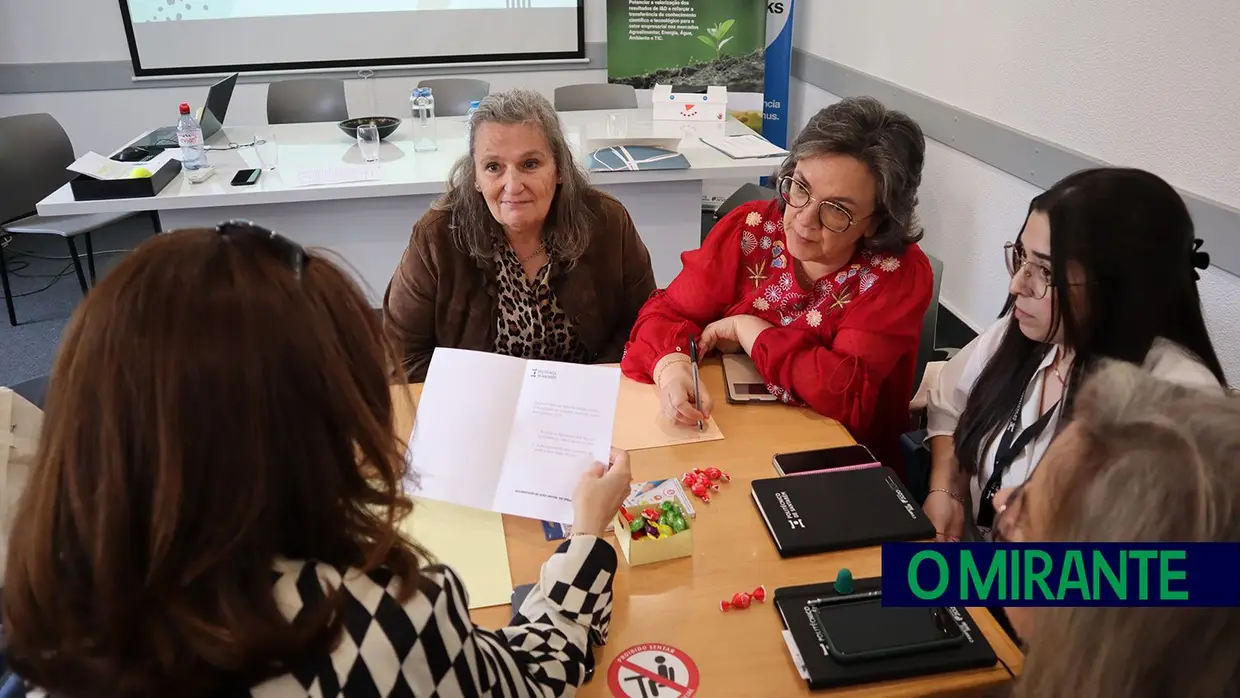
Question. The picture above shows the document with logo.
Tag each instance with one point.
(510, 435)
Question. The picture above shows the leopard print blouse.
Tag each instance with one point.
(530, 323)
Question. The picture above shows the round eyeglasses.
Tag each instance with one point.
(833, 217)
(1037, 278)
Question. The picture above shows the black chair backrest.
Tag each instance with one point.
(34, 152)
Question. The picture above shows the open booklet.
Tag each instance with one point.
(510, 435)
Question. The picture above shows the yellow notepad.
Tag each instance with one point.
(470, 541)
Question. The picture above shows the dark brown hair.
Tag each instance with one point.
(209, 413)
(1156, 463)
(886, 141)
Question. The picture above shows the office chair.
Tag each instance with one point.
(306, 100)
(453, 95)
(34, 154)
(595, 95)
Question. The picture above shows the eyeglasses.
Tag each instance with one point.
(834, 217)
(1007, 516)
(1037, 277)
(290, 253)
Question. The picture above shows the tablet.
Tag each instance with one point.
(742, 381)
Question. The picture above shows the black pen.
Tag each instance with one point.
(697, 392)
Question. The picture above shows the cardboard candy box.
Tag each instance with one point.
(642, 548)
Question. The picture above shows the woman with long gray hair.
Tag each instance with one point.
(521, 256)
(824, 286)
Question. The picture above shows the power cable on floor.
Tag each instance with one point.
(57, 277)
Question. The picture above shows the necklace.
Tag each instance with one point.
(1055, 368)
(537, 251)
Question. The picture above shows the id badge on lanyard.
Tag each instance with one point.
(1010, 446)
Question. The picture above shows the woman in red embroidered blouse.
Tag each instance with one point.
(824, 287)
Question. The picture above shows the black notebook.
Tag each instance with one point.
(820, 669)
(838, 510)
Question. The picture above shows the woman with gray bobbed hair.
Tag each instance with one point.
(521, 256)
(824, 287)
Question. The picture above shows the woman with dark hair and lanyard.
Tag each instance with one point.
(1104, 268)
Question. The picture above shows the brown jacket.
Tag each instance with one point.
(442, 297)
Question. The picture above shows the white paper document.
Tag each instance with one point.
(510, 435)
(750, 145)
(97, 166)
(338, 174)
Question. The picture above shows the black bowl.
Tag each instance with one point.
(387, 125)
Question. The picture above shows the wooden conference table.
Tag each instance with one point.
(368, 223)
(677, 602)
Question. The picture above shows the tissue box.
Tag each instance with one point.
(683, 106)
(645, 550)
(91, 189)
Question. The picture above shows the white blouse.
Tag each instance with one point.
(946, 400)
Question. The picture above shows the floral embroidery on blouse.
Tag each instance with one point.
(775, 286)
(749, 243)
(782, 394)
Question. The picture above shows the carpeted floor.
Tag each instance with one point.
(46, 291)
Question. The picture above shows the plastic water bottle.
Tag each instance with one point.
(423, 121)
(469, 118)
(189, 137)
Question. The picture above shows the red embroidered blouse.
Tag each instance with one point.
(846, 347)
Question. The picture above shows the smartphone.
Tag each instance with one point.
(839, 458)
(245, 178)
(742, 381)
(865, 630)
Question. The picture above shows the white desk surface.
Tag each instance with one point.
(403, 172)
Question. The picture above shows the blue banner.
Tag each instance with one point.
(1061, 574)
(778, 72)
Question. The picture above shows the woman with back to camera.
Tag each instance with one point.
(1143, 461)
(214, 508)
(1104, 267)
(521, 256)
(824, 287)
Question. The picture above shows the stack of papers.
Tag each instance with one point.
(749, 145)
(336, 174)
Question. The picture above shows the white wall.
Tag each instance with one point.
(35, 31)
(1151, 85)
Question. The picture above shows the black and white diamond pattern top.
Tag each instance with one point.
(428, 647)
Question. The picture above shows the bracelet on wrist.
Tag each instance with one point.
(949, 493)
(678, 358)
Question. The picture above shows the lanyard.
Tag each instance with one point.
(1010, 446)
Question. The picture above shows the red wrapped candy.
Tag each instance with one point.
(741, 600)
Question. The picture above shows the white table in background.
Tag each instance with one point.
(368, 223)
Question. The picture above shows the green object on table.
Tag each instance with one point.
(678, 524)
(844, 582)
(638, 525)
